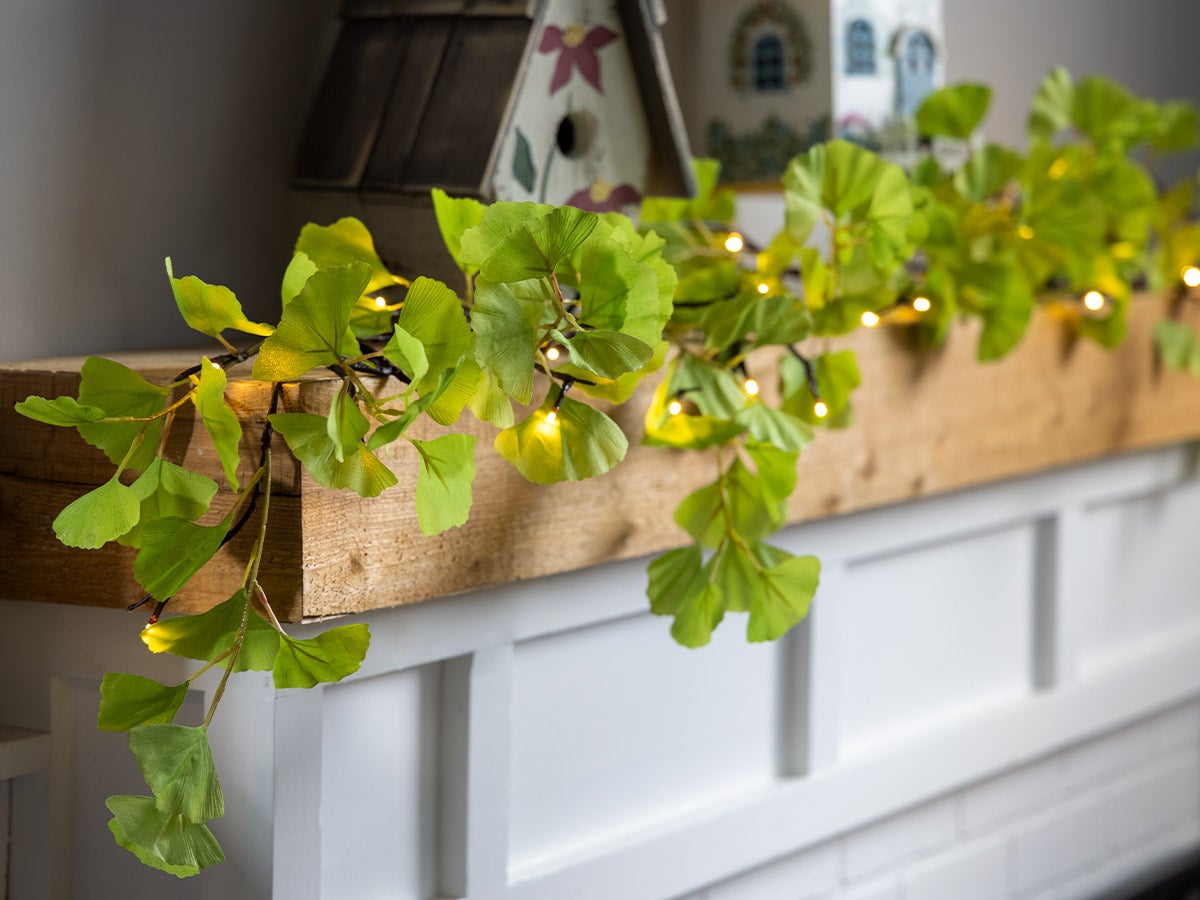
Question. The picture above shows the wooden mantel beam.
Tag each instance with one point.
(926, 423)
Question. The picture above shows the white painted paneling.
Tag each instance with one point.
(932, 632)
(614, 728)
(378, 790)
(1142, 580)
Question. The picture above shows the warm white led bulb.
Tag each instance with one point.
(380, 302)
(734, 243)
(870, 319)
(921, 304)
(674, 407)
(552, 418)
(1191, 276)
(552, 354)
(820, 410)
(751, 387)
(764, 288)
(1093, 300)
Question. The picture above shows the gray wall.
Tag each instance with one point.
(134, 129)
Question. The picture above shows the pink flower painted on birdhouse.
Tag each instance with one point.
(604, 197)
(576, 47)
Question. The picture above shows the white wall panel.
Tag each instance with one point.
(931, 632)
(1142, 580)
(378, 791)
(614, 728)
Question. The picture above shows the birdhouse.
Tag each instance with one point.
(556, 101)
(762, 80)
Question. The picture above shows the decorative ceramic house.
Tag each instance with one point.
(558, 101)
(762, 80)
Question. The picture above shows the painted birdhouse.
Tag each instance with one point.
(762, 80)
(557, 101)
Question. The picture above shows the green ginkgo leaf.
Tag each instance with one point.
(433, 314)
(329, 657)
(344, 243)
(345, 425)
(787, 592)
(447, 470)
(674, 578)
(166, 489)
(99, 516)
(211, 308)
(177, 764)
(535, 249)
(171, 844)
(219, 420)
(574, 442)
(209, 634)
(308, 437)
(697, 616)
(504, 323)
(173, 550)
(64, 411)
(608, 354)
(127, 701)
(455, 216)
(954, 111)
(121, 393)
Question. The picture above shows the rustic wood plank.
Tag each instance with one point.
(927, 423)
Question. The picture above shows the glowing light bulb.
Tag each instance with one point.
(552, 418)
(1025, 233)
(751, 387)
(1093, 300)
(214, 365)
(764, 288)
(674, 407)
(734, 243)
(870, 319)
(380, 302)
(921, 304)
(1191, 276)
(820, 410)
(552, 354)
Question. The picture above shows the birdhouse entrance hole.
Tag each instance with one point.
(576, 134)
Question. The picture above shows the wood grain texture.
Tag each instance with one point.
(927, 422)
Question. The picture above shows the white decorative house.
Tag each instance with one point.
(761, 80)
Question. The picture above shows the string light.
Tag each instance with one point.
(870, 319)
(734, 243)
(1191, 276)
(751, 387)
(921, 304)
(380, 302)
(1093, 300)
(764, 288)
(675, 407)
(552, 354)
(820, 410)
(552, 418)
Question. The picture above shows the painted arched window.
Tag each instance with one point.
(860, 48)
(769, 64)
(915, 56)
(770, 49)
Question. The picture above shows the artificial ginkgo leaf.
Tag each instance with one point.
(308, 437)
(455, 215)
(505, 340)
(177, 764)
(954, 111)
(697, 616)
(776, 469)
(167, 489)
(674, 577)
(99, 516)
(171, 844)
(621, 293)
(616, 390)
(684, 430)
(173, 550)
(577, 441)
(490, 403)
(498, 222)
(1177, 345)
(219, 420)
(776, 427)
(299, 270)
(408, 353)
(736, 575)
(315, 328)
(534, 249)
(209, 634)
(608, 354)
(121, 393)
(787, 592)
(64, 411)
(347, 241)
(211, 308)
(987, 173)
(433, 315)
(127, 701)
(444, 481)
(330, 656)
(1050, 111)
(701, 515)
(345, 424)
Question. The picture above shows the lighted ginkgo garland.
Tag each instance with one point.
(557, 303)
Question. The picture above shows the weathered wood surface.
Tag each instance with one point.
(926, 423)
